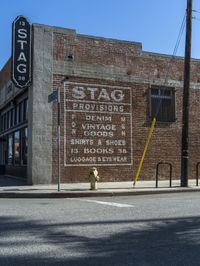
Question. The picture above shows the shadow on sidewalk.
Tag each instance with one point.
(7, 181)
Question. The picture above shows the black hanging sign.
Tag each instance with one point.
(21, 52)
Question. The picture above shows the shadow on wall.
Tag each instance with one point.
(140, 242)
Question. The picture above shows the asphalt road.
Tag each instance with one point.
(140, 230)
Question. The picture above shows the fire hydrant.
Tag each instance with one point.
(93, 177)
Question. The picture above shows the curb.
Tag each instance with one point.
(77, 194)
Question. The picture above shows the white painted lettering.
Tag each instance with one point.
(22, 33)
(97, 107)
(21, 68)
(99, 94)
(83, 159)
(119, 142)
(117, 95)
(73, 131)
(82, 141)
(92, 92)
(98, 150)
(99, 142)
(78, 93)
(122, 151)
(103, 95)
(98, 127)
(21, 57)
(98, 134)
(117, 159)
(21, 44)
(98, 118)
(74, 151)
(123, 133)
(73, 124)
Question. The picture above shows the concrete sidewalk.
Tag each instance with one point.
(17, 188)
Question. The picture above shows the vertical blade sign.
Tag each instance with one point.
(21, 52)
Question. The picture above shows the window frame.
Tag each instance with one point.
(160, 95)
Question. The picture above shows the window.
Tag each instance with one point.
(25, 110)
(10, 149)
(24, 145)
(17, 148)
(20, 110)
(1, 125)
(162, 104)
(7, 119)
(4, 121)
(15, 115)
(11, 117)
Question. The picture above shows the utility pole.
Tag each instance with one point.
(186, 87)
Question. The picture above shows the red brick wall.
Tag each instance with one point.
(5, 73)
(165, 144)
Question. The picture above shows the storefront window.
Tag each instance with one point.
(24, 145)
(20, 110)
(10, 149)
(15, 116)
(17, 147)
(11, 117)
(25, 112)
(1, 125)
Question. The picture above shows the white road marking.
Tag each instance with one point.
(114, 204)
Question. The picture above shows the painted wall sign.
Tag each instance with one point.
(98, 125)
(21, 52)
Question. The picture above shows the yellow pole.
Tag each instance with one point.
(145, 150)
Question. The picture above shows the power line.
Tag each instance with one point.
(196, 11)
(172, 58)
(196, 18)
(176, 47)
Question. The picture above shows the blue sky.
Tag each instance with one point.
(155, 23)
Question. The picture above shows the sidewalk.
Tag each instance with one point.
(16, 188)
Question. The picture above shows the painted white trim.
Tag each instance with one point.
(99, 164)
(83, 101)
(105, 112)
(113, 204)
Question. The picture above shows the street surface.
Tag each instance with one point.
(139, 230)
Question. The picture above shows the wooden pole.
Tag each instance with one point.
(185, 116)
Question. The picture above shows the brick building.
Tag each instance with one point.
(110, 90)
